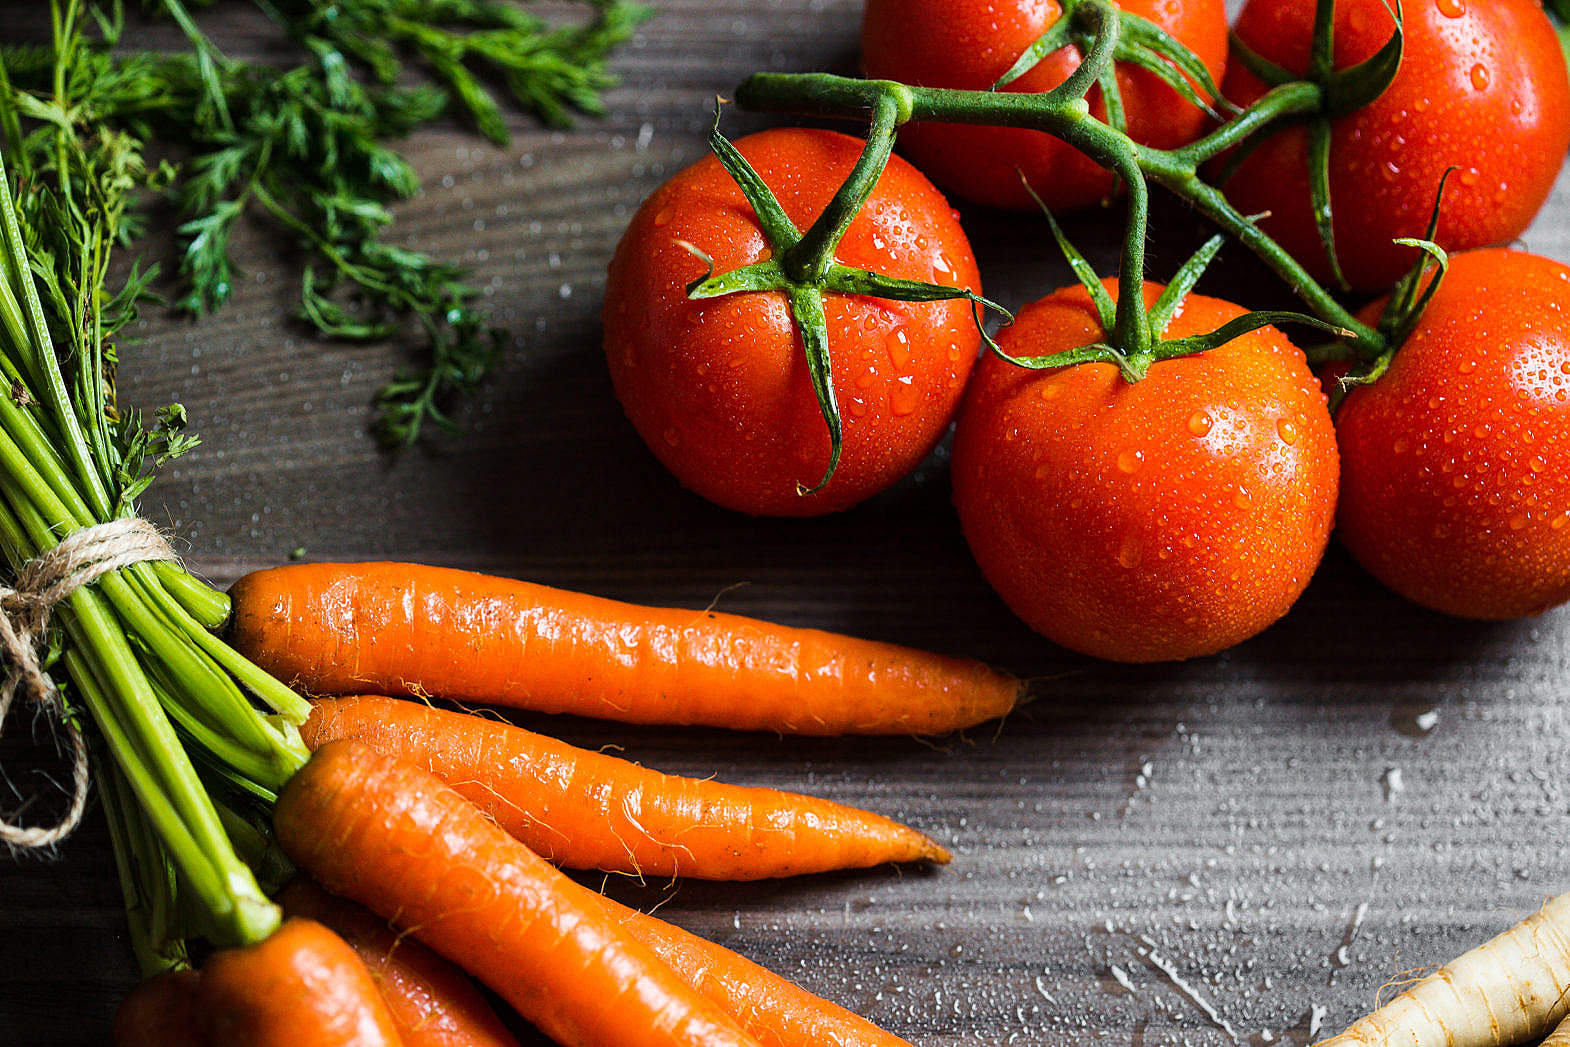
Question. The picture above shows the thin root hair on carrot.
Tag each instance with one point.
(714, 604)
(1410, 976)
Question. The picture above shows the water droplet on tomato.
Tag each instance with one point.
(1537, 465)
(1129, 554)
(1467, 366)
(1480, 76)
(1130, 461)
(672, 437)
(1400, 445)
(1288, 431)
(879, 243)
(903, 397)
(1242, 499)
(1559, 523)
(1518, 521)
(1052, 390)
(663, 216)
(898, 344)
(865, 378)
(1199, 423)
(1452, 8)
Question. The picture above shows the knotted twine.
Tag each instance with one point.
(81, 557)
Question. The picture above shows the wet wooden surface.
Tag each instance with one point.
(1240, 848)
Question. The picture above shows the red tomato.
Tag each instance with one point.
(1457, 484)
(719, 389)
(1164, 519)
(1482, 87)
(971, 43)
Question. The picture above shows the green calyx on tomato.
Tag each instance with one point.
(1134, 40)
(1342, 91)
(1133, 358)
(803, 267)
(1402, 311)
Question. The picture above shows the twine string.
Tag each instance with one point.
(81, 558)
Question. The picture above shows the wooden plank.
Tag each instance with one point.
(1267, 819)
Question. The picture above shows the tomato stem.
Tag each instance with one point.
(824, 94)
(1296, 98)
(811, 257)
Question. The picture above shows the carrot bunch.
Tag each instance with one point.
(448, 827)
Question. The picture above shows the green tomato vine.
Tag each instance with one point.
(803, 265)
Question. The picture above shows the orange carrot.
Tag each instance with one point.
(161, 1012)
(302, 987)
(587, 810)
(406, 629)
(394, 838)
(776, 1011)
(432, 1003)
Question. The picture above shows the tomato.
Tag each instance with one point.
(1164, 519)
(1482, 86)
(1456, 492)
(719, 389)
(971, 43)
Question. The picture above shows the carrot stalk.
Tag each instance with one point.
(392, 837)
(1512, 989)
(775, 1011)
(408, 629)
(587, 810)
(432, 1003)
(302, 987)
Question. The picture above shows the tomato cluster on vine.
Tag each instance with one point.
(1155, 476)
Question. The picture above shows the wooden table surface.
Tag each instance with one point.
(1241, 848)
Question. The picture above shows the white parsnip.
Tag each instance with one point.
(1510, 990)
(1560, 1037)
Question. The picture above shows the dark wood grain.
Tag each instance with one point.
(1265, 821)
